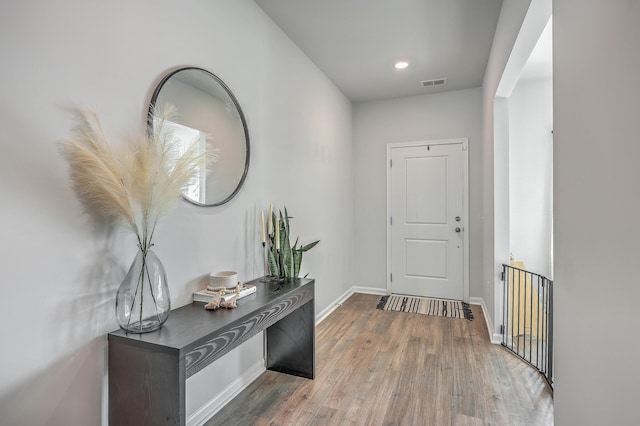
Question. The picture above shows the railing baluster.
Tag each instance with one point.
(538, 341)
(523, 315)
(543, 328)
(529, 284)
(514, 327)
(505, 295)
(518, 317)
(530, 314)
(513, 311)
(546, 330)
(550, 340)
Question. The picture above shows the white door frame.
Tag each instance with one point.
(465, 202)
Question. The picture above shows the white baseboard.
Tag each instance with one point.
(370, 290)
(355, 289)
(333, 306)
(496, 338)
(209, 409)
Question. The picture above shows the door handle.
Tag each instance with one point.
(458, 229)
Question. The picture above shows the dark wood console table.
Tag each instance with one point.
(147, 372)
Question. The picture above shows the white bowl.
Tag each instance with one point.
(227, 279)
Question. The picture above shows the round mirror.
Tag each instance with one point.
(207, 112)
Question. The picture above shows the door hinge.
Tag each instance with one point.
(502, 276)
(501, 329)
(390, 220)
(390, 163)
(391, 277)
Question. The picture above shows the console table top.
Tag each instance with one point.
(192, 323)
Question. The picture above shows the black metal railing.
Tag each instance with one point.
(527, 319)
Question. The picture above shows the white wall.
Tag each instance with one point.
(59, 277)
(530, 174)
(596, 210)
(417, 118)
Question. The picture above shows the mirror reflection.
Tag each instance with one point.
(208, 115)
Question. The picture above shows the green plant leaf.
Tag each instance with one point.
(273, 221)
(291, 267)
(309, 246)
(287, 256)
(285, 259)
(297, 261)
(286, 219)
(273, 264)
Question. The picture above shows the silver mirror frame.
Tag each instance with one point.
(215, 80)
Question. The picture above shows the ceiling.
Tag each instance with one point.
(356, 42)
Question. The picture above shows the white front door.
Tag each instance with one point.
(427, 209)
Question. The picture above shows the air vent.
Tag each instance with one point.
(436, 82)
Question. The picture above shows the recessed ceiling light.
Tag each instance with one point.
(400, 65)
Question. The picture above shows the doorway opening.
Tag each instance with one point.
(523, 198)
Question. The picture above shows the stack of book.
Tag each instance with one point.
(205, 296)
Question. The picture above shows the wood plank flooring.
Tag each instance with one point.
(376, 367)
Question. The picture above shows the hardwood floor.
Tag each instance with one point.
(376, 367)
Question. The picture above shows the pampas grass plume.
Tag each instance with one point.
(136, 185)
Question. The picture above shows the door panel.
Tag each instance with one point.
(426, 197)
(426, 187)
(426, 258)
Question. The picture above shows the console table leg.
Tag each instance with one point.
(145, 387)
(291, 343)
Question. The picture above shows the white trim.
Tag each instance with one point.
(355, 289)
(496, 338)
(465, 202)
(208, 410)
(333, 306)
(370, 290)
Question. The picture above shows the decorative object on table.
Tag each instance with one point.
(216, 302)
(242, 290)
(228, 279)
(134, 186)
(223, 297)
(283, 260)
(426, 306)
(269, 233)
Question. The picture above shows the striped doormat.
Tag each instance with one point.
(426, 306)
